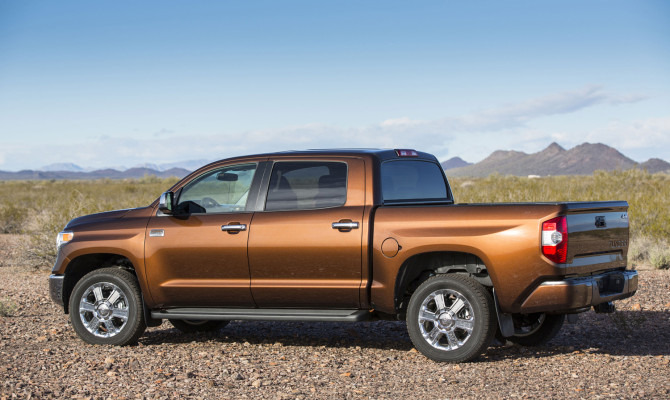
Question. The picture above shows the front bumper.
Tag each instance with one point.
(573, 294)
(56, 288)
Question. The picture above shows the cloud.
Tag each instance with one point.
(472, 136)
(519, 114)
(635, 135)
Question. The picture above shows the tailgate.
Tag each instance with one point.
(597, 232)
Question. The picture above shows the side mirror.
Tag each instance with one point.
(165, 204)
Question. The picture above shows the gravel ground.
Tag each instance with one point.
(623, 355)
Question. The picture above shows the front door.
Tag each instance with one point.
(198, 256)
(298, 258)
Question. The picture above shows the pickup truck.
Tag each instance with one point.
(341, 235)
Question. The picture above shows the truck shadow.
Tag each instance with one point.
(622, 333)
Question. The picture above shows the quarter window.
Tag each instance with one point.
(304, 185)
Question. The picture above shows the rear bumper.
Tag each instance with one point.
(56, 288)
(578, 293)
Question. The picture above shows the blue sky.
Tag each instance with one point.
(120, 83)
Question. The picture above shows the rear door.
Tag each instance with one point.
(305, 247)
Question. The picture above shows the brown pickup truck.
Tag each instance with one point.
(342, 235)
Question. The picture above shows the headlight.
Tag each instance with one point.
(64, 237)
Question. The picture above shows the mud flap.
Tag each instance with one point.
(148, 319)
(505, 322)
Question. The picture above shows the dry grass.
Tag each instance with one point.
(40, 209)
(44, 207)
(647, 196)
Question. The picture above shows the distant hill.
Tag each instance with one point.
(72, 171)
(654, 165)
(555, 160)
(62, 167)
(97, 174)
(455, 162)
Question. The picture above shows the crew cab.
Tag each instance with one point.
(341, 235)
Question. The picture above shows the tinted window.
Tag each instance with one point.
(412, 180)
(219, 191)
(307, 185)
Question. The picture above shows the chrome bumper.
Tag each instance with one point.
(578, 293)
(56, 288)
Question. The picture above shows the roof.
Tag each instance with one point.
(381, 154)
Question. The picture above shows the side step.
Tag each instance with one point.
(260, 314)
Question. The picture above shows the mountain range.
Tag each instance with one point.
(554, 160)
(583, 159)
(73, 171)
(131, 173)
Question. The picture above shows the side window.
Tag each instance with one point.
(412, 181)
(304, 185)
(220, 191)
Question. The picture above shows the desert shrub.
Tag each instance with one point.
(12, 218)
(654, 251)
(659, 257)
(7, 308)
(638, 249)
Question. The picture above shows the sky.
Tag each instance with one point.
(122, 83)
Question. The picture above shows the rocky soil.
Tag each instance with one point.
(623, 355)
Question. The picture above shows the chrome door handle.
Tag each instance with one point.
(238, 227)
(345, 225)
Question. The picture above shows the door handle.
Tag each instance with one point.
(234, 227)
(345, 225)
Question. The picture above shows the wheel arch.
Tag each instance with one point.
(86, 263)
(420, 267)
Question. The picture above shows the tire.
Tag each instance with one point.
(106, 308)
(536, 329)
(200, 325)
(451, 318)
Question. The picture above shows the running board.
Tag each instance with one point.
(260, 314)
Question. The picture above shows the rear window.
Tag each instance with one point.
(406, 180)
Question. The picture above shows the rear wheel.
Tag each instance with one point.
(106, 307)
(451, 318)
(536, 329)
(197, 325)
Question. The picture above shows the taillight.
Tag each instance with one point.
(555, 239)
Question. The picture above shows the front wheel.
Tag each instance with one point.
(106, 307)
(451, 318)
(536, 329)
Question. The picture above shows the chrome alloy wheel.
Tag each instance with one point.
(446, 319)
(103, 309)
